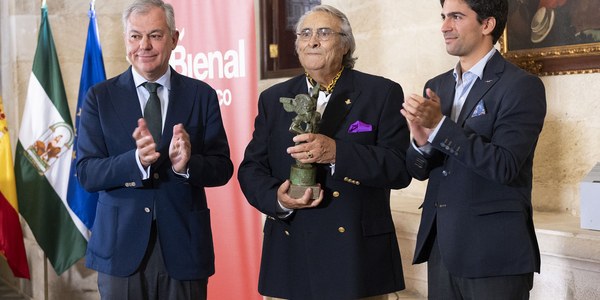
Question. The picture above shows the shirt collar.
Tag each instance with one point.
(478, 68)
(164, 80)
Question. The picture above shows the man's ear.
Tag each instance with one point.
(175, 38)
(488, 25)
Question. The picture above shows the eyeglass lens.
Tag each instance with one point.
(323, 34)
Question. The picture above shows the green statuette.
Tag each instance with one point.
(303, 176)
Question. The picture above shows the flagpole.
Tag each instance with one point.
(45, 257)
(45, 274)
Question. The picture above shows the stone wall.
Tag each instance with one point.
(398, 39)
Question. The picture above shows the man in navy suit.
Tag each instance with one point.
(475, 131)
(340, 244)
(152, 236)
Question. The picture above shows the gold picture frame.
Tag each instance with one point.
(545, 40)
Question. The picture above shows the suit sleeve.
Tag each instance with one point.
(255, 173)
(381, 164)
(212, 166)
(419, 165)
(498, 149)
(97, 168)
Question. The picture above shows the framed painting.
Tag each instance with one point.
(553, 37)
(278, 33)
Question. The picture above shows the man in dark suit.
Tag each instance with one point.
(475, 131)
(152, 236)
(340, 244)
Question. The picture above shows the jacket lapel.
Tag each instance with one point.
(446, 93)
(125, 102)
(340, 103)
(491, 74)
(299, 86)
(180, 106)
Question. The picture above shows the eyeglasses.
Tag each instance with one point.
(323, 34)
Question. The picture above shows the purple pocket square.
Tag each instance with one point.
(359, 126)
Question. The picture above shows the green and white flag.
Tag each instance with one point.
(43, 158)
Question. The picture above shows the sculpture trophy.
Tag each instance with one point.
(303, 176)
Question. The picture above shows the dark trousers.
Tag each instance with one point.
(443, 285)
(151, 281)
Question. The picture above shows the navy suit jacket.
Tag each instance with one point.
(106, 163)
(478, 198)
(345, 248)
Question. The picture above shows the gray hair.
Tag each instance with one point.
(347, 38)
(144, 6)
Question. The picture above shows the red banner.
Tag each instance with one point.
(217, 45)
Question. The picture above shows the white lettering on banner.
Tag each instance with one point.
(203, 66)
(224, 97)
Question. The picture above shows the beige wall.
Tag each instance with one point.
(401, 40)
(398, 39)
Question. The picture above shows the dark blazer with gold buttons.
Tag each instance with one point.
(126, 205)
(478, 199)
(346, 248)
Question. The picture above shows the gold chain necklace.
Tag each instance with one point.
(329, 88)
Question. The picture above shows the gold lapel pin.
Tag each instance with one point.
(348, 102)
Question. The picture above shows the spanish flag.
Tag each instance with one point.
(11, 236)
